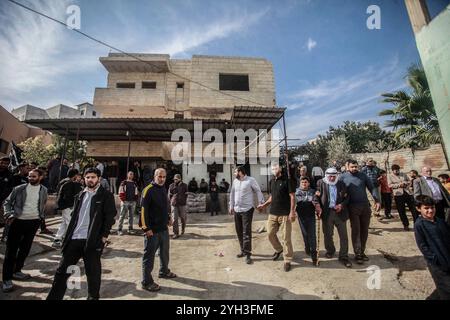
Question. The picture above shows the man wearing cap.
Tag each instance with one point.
(333, 200)
(178, 197)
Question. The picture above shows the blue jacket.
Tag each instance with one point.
(433, 240)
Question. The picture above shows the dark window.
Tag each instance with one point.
(82, 112)
(148, 85)
(180, 85)
(94, 113)
(233, 82)
(4, 146)
(179, 115)
(126, 85)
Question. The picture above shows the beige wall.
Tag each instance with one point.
(167, 99)
(432, 157)
(14, 130)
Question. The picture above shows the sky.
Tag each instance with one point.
(329, 67)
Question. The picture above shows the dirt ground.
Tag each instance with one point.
(205, 261)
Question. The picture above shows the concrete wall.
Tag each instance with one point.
(28, 112)
(13, 130)
(432, 157)
(166, 99)
(62, 112)
(434, 48)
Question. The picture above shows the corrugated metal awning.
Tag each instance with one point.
(156, 129)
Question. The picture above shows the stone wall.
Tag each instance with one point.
(407, 160)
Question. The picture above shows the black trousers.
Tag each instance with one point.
(440, 209)
(387, 202)
(243, 224)
(330, 221)
(359, 222)
(307, 221)
(442, 281)
(74, 251)
(401, 202)
(20, 239)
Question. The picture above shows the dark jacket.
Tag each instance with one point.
(67, 194)
(102, 218)
(433, 240)
(341, 198)
(178, 194)
(13, 205)
(193, 186)
(155, 211)
(307, 201)
(421, 188)
(5, 185)
(17, 180)
(356, 188)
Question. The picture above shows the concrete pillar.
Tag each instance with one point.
(418, 14)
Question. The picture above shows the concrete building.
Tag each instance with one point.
(87, 110)
(11, 129)
(60, 111)
(28, 112)
(148, 96)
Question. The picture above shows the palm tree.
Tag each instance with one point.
(413, 116)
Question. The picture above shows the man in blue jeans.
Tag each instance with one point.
(155, 220)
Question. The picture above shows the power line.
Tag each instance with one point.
(131, 55)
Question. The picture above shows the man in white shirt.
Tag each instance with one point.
(242, 206)
(24, 210)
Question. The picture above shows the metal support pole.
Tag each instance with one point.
(74, 157)
(63, 154)
(286, 149)
(129, 150)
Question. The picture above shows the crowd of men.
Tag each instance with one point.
(340, 195)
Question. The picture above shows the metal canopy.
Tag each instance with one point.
(156, 129)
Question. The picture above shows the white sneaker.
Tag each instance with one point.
(119, 233)
(7, 286)
(21, 276)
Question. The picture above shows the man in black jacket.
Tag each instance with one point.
(154, 221)
(65, 201)
(87, 233)
(333, 199)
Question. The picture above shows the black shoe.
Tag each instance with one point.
(248, 260)
(276, 255)
(151, 287)
(359, 259)
(287, 266)
(406, 228)
(364, 257)
(168, 275)
(315, 262)
(240, 255)
(346, 262)
(329, 255)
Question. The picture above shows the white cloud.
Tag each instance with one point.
(314, 109)
(311, 44)
(195, 35)
(39, 57)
